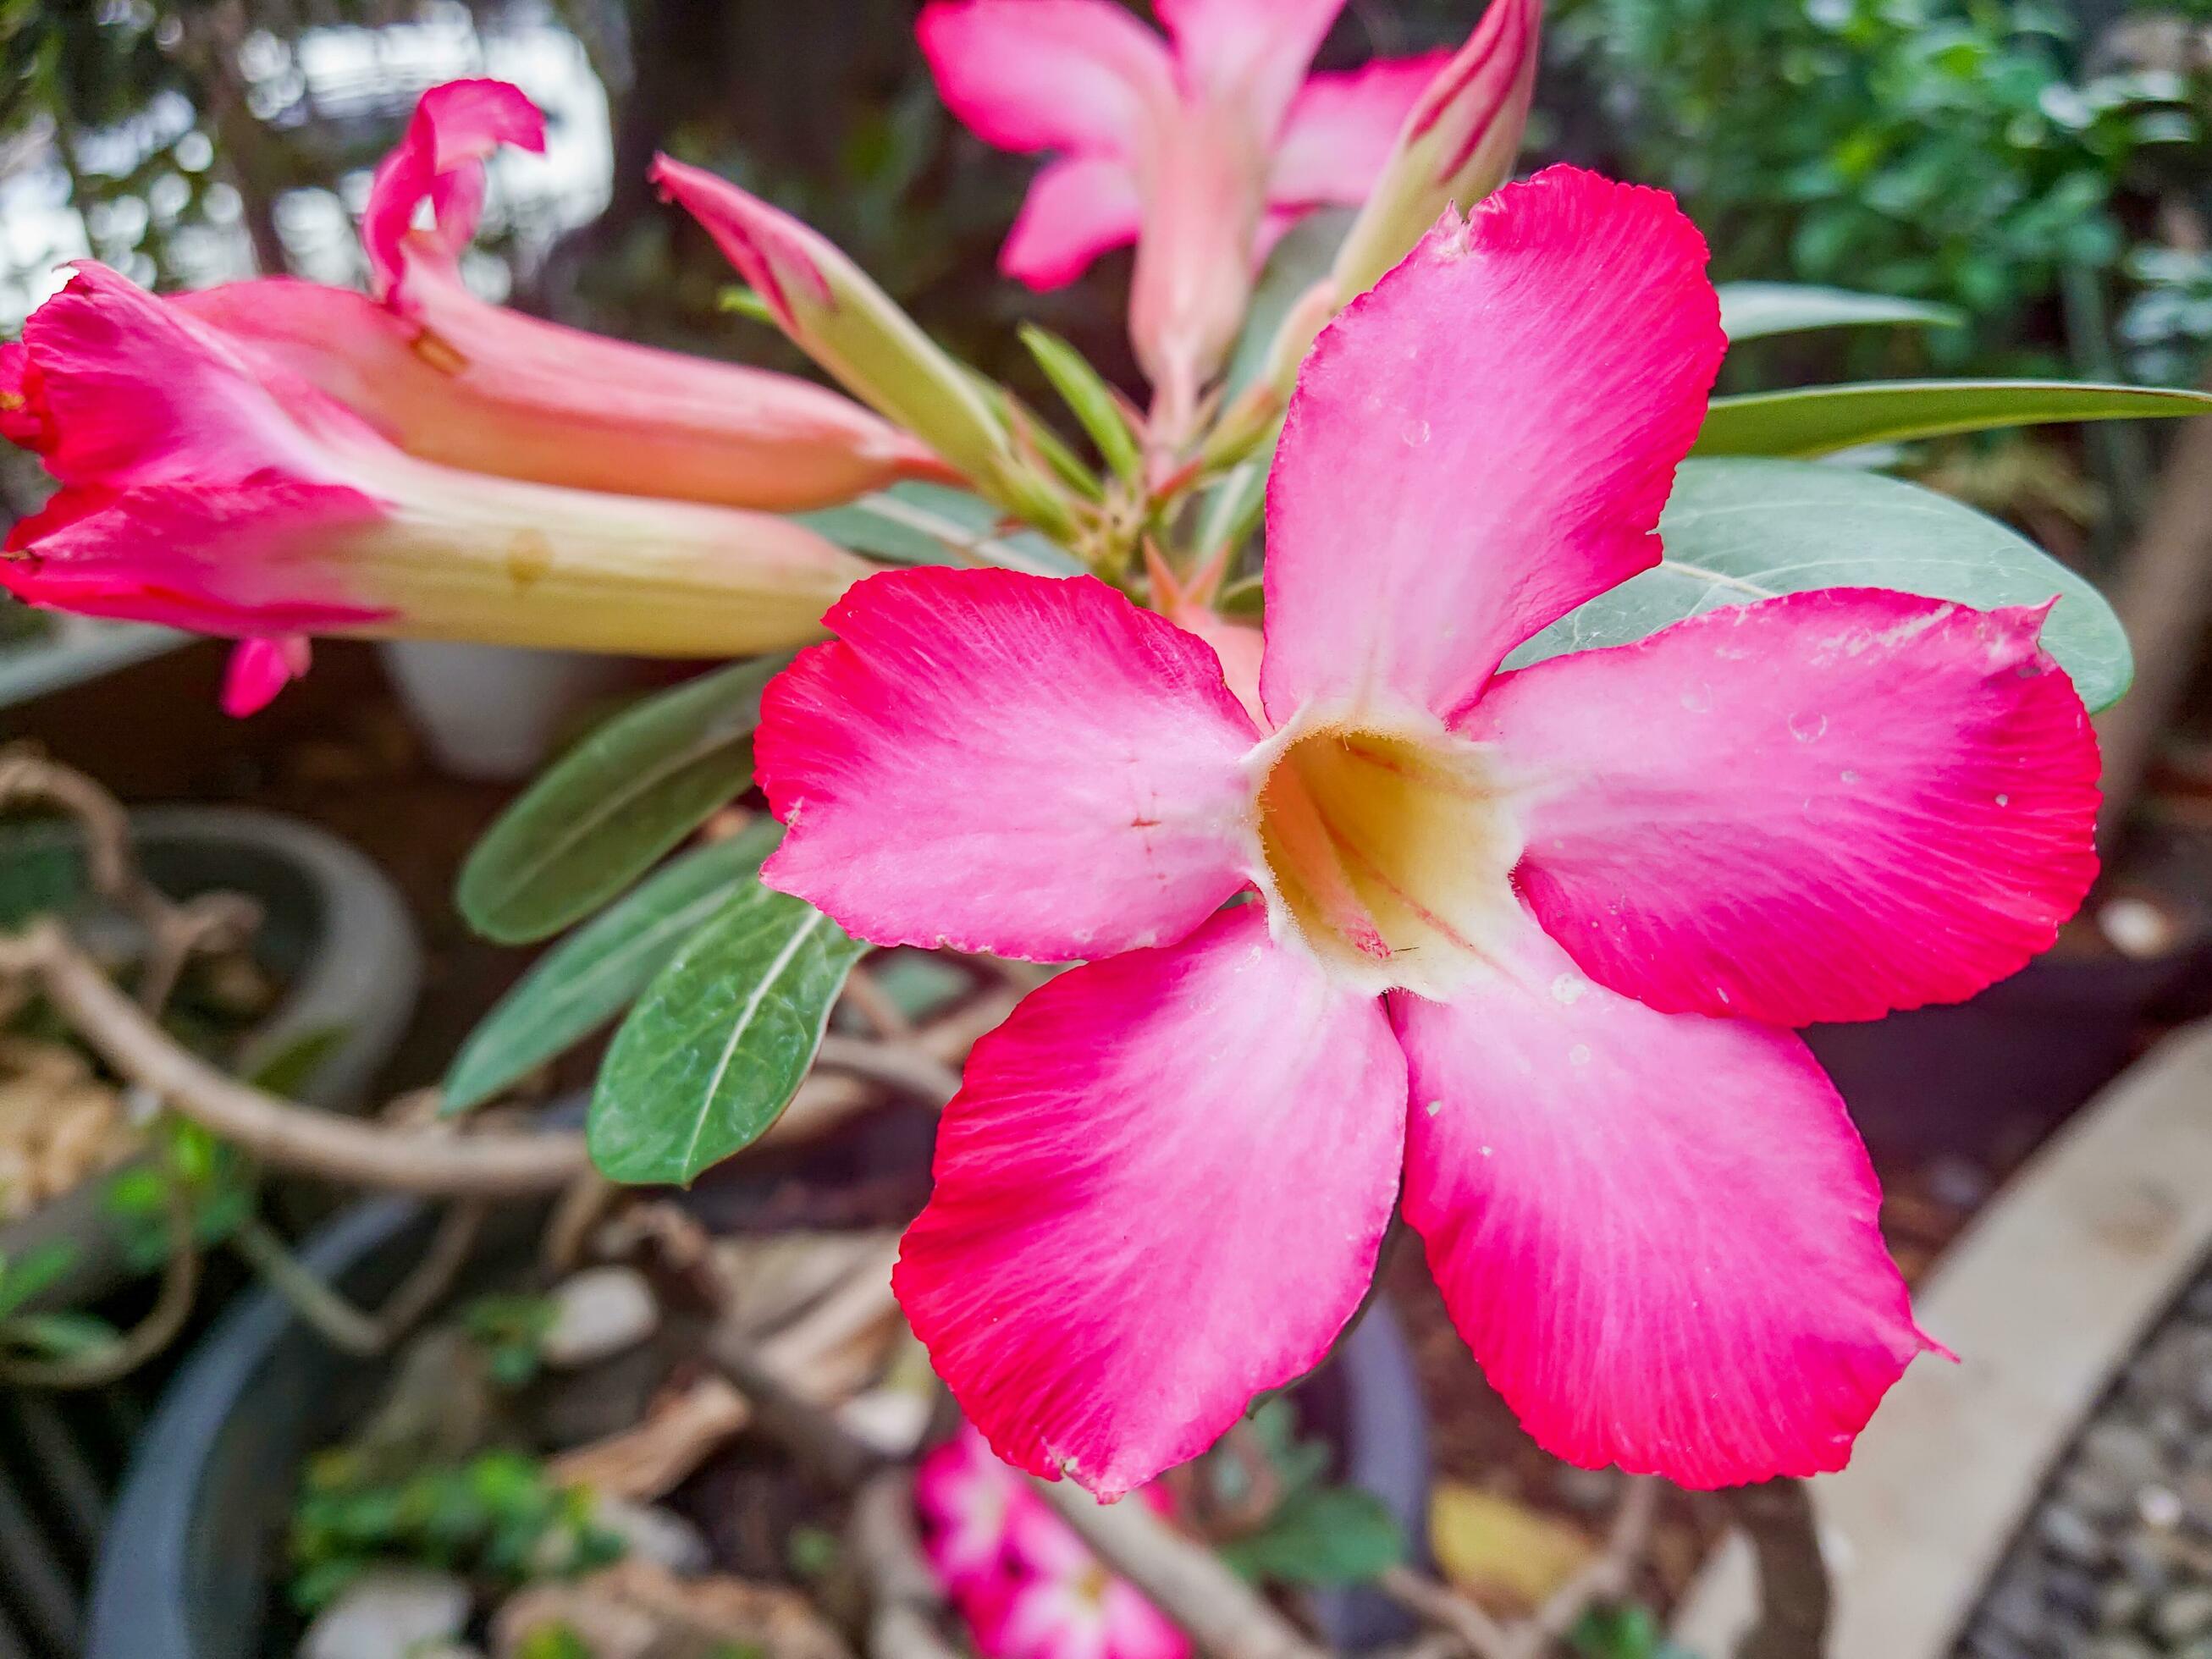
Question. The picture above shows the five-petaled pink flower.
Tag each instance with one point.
(455, 380)
(1526, 944)
(1201, 148)
(1027, 1587)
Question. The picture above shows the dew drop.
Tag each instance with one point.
(1699, 700)
(1568, 988)
(1486, 1151)
(1850, 777)
(1579, 1055)
(2004, 800)
(1809, 728)
(1434, 1107)
(1417, 434)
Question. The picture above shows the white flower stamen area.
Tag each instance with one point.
(1387, 848)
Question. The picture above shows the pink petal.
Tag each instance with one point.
(1341, 128)
(1483, 440)
(128, 390)
(1253, 51)
(1160, 1192)
(1135, 1629)
(1656, 1231)
(441, 157)
(970, 1500)
(1025, 765)
(1077, 210)
(1083, 76)
(259, 669)
(1819, 807)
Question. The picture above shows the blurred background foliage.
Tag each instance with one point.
(2041, 166)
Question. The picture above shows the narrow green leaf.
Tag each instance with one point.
(598, 970)
(614, 804)
(1322, 1536)
(1232, 508)
(1752, 310)
(1088, 397)
(931, 523)
(1816, 421)
(1740, 531)
(720, 1041)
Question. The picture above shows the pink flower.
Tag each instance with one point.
(207, 492)
(1525, 946)
(1026, 1585)
(454, 379)
(1200, 147)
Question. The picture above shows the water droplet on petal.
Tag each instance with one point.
(1434, 1107)
(1579, 1055)
(1850, 777)
(1568, 988)
(1417, 434)
(2004, 800)
(1699, 700)
(1807, 728)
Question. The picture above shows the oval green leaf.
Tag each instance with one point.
(721, 1040)
(1821, 420)
(916, 523)
(613, 806)
(1740, 531)
(1752, 310)
(598, 970)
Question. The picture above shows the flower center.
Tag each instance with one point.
(1390, 852)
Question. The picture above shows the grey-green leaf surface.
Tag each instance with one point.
(1741, 531)
(1299, 260)
(916, 523)
(1752, 310)
(1814, 421)
(601, 968)
(720, 1041)
(613, 806)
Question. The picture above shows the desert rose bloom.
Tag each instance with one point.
(1525, 946)
(1026, 1585)
(451, 378)
(205, 491)
(1200, 147)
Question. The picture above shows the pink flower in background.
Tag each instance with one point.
(1525, 946)
(1200, 147)
(452, 379)
(203, 489)
(1026, 1585)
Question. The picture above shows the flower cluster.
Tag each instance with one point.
(1024, 1584)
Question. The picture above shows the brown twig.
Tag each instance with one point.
(173, 1305)
(1448, 1611)
(805, 1430)
(905, 1604)
(336, 1319)
(903, 1065)
(1795, 1596)
(875, 1005)
(278, 1132)
(1184, 1579)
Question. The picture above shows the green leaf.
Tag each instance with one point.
(1323, 1535)
(598, 971)
(1752, 310)
(721, 1040)
(1738, 531)
(613, 804)
(1820, 420)
(931, 524)
(60, 1335)
(34, 1271)
(1088, 397)
(1300, 260)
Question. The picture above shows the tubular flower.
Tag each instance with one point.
(1026, 1585)
(1525, 946)
(452, 378)
(1200, 147)
(204, 491)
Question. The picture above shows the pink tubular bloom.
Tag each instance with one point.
(203, 490)
(1026, 1585)
(1200, 147)
(1525, 946)
(452, 378)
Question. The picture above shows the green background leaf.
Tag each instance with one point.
(1752, 310)
(614, 804)
(598, 971)
(720, 1041)
(1739, 531)
(1821, 420)
(916, 523)
(1322, 1535)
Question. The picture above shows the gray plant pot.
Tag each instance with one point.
(193, 1544)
